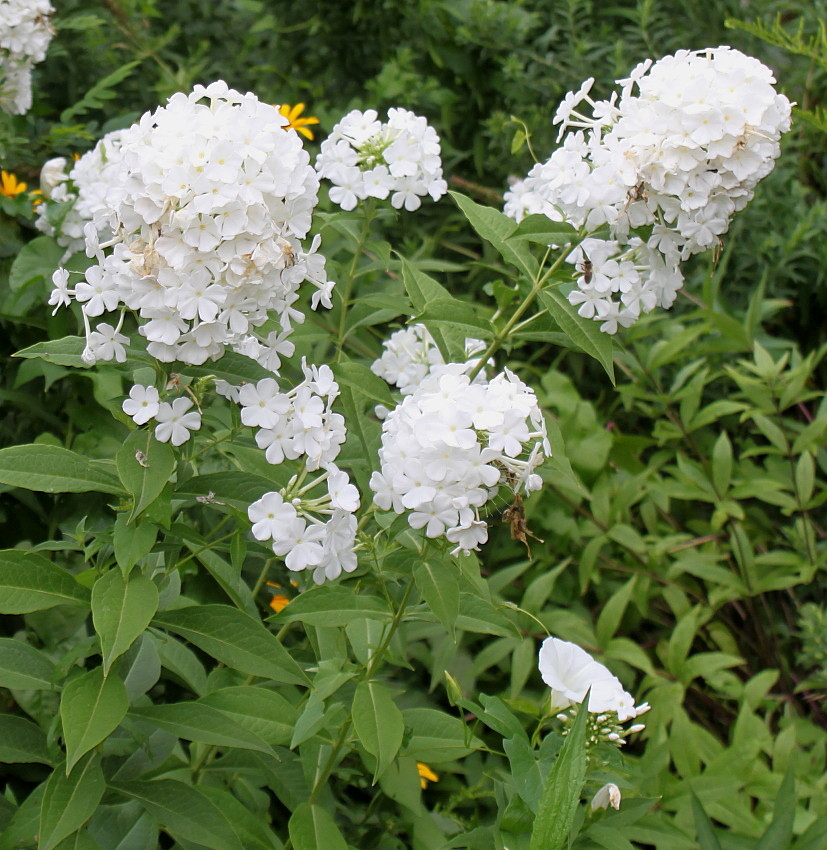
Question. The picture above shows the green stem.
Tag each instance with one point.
(368, 211)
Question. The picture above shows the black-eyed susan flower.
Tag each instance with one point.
(10, 186)
(294, 122)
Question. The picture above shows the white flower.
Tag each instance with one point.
(175, 423)
(142, 404)
(269, 514)
(608, 795)
(365, 158)
(25, 33)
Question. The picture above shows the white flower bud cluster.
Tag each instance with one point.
(204, 216)
(175, 420)
(365, 158)
(450, 445)
(293, 424)
(571, 673)
(410, 354)
(311, 532)
(25, 33)
(73, 198)
(666, 168)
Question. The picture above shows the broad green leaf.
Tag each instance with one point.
(378, 723)
(232, 367)
(91, 707)
(52, 469)
(235, 639)
(227, 577)
(496, 227)
(252, 829)
(80, 840)
(144, 466)
(528, 780)
(362, 380)
(195, 721)
(37, 259)
(68, 351)
(541, 229)
(439, 586)
(181, 661)
(479, 615)
(121, 611)
(124, 826)
(132, 541)
(21, 831)
(312, 828)
(30, 582)
(184, 812)
(707, 840)
(69, 801)
(561, 793)
(584, 333)
(436, 736)
(23, 667)
(232, 487)
(332, 605)
(259, 710)
(22, 741)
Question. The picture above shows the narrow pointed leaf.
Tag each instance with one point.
(23, 667)
(22, 741)
(236, 639)
(52, 469)
(707, 840)
(69, 801)
(561, 793)
(144, 466)
(312, 828)
(121, 611)
(91, 707)
(30, 582)
(378, 723)
(328, 605)
(439, 587)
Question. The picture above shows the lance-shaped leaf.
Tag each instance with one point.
(329, 605)
(378, 723)
(69, 801)
(144, 466)
(23, 667)
(121, 611)
(91, 707)
(30, 582)
(52, 469)
(22, 741)
(312, 828)
(235, 639)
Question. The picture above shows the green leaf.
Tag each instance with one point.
(312, 828)
(251, 828)
(259, 710)
(707, 840)
(22, 741)
(184, 812)
(541, 229)
(332, 605)
(121, 611)
(561, 793)
(69, 801)
(30, 582)
(231, 367)
(68, 350)
(360, 379)
(37, 259)
(439, 586)
(378, 723)
(227, 577)
(584, 333)
(235, 639)
(91, 707)
(722, 464)
(181, 661)
(132, 541)
(496, 227)
(479, 615)
(436, 736)
(23, 667)
(144, 466)
(52, 469)
(103, 90)
(195, 721)
(779, 834)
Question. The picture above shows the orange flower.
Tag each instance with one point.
(37, 198)
(292, 113)
(426, 775)
(10, 186)
(279, 601)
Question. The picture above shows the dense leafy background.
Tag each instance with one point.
(681, 529)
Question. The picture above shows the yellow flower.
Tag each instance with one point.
(10, 186)
(37, 198)
(426, 775)
(292, 113)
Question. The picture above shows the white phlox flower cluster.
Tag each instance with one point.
(311, 532)
(175, 420)
(571, 673)
(366, 158)
(665, 167)
(410, 354)
(297, 423)
(25, 33)
(199, 231)
(73, 198)
(449, 447)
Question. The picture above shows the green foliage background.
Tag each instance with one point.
(680, 531)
